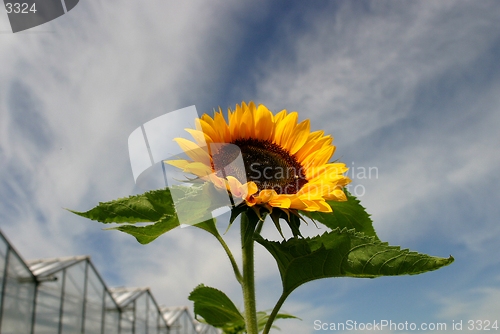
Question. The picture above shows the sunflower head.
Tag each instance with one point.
(269, 162)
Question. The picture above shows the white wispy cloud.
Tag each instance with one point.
(69, 99)
(362, 74)
(365, 75)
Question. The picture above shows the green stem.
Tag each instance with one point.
(236, 270)
(274, 312)
(248, 286)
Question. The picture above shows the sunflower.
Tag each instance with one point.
(286, 166)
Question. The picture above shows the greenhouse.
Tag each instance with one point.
(67, 295)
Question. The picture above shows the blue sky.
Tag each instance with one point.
(408, 88)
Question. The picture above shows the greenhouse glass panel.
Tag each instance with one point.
(127, 320)
(111, 315)
(175, 328)
(153, 317)
(74, 286)
(3, 257)
(48, 304)
(187, 324)
(141, 314)
(182, 323)
(94, 304)
(18, 296)
(163, 330)
(68, 296)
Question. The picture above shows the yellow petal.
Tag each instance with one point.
(194, 151)
(337, 195)
(198, 169)
(300, 136)
(280, 116)
(201, 137)
(281, 203)
(208, 129)
(312, 146)
(285, 129)
(222, 128)
(247, 121)
(178, 163)
(264, 126)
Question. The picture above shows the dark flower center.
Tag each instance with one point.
(265, 163)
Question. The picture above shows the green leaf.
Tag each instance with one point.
(209, 226)
(344, 253)
(350, 214)
(148, 207)
(249, 221)
(216, 308)
(291, 218)
(194, 204)
(148, 233)
(153, 206)
(262, 318)
(236, 211)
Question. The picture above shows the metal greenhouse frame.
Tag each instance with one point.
(67, 295)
